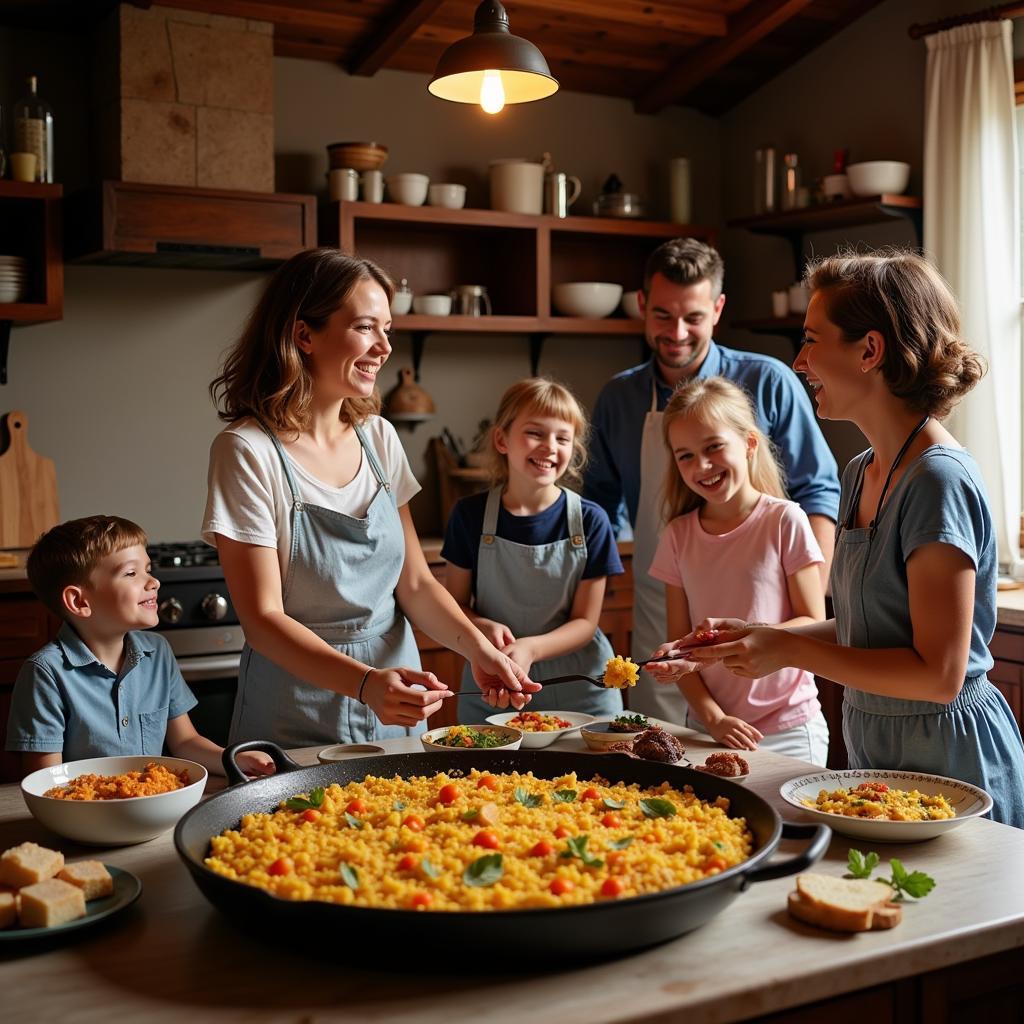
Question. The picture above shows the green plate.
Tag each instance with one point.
(127, 889)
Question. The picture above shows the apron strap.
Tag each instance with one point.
(371, 457)
(574, 516)
(285, 462)
(654, 394)
(490, 526)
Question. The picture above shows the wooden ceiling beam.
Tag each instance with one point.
(287, 20)
(397, 29)
(744, 30)
(656, 15)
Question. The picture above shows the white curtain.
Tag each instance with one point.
(971, 232)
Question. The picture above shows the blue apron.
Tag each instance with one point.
(530, 588)
(340, 583)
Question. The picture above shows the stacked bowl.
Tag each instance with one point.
(12, 278)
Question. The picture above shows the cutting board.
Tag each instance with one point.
(28, 487)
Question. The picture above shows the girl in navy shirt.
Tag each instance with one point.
(528, 559)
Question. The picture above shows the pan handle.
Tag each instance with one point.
(235, 774)
(819, 835)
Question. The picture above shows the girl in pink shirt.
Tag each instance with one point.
(735, 547)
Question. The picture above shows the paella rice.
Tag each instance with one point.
(481, 842)
(153, 779)
(621, 672)
(537, 721)
(877, 800)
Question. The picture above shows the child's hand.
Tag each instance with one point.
(497, 633)
(255, 763)
(734, 732)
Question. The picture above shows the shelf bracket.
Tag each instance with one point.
(536, 347)
(5, 342)
(914, 214)
(419, 339)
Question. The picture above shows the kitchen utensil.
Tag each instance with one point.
(517, 186)
(611, 927)
(361, 156)
(599, 681)
(401, 303)
(631, 305)
(558, 195)
(873, 178)
(343, 183)
(28, 487)
(471, 300)
(679, 189)
(372, 183)
(510, 739)
(448, 195)
(538, 740)
(593, 299)
(432, 305)
(410, 189)
(407, 400)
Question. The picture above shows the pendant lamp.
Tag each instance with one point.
(492, 67)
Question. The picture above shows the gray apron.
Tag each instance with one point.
(340, 583)
(530, 588)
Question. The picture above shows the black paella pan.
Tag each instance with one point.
(592, 930)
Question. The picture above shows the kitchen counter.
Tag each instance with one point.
(172, 956)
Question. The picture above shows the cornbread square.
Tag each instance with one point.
(8, 909)
(50, 903)
(29, 863)
(90, 876)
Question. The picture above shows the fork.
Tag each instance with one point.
(599, 681)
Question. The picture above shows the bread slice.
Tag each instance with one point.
(844, 904)
(8, 909)
(29, 863)
(90, 876)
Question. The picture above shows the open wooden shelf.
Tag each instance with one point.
(827, 216)
(30, 226)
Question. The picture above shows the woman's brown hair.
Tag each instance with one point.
(265, 374)
(716, 400)
(899, 294)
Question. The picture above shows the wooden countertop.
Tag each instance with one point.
(172, 956)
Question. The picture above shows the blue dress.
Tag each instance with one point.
(939, 499)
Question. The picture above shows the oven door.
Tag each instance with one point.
(214, 681)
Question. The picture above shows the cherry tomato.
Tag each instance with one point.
(487, 782)
(613, 887)
(560, 886)
(541, 849)
(715, 863)
(562, 832)
(421, 899)
(590, 794)
(356, 806)
(414, 823)
(488, 840)
(407, 863)
(281, 866)
(449, 794)
(310, 815)
(614, 857)
(611, 821)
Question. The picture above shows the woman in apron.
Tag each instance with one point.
(914, 574)
(528, 559)
(308, 508)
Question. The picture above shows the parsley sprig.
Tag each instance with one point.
(305, 803)
(910, 883)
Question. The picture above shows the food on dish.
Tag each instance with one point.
(844, 904)
(536, 721)
(727, 765)
(90, 876)
(153, 779)
(621, 672)
(657, 745)
(629, 723)
(471, 739)
(877, 800)
(29, 863)
(705, 636)
(50, 903)
(422, 843)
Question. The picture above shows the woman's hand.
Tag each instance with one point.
(751, 652)
(731, 731)
(502, 682)
(671, 671)
(403, 696)
(696, 637)
(497, 633)
(255, 763)
(522, 653)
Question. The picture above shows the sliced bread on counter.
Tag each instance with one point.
(844, 904)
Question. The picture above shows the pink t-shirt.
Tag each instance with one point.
(742, 574)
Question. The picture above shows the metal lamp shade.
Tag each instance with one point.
(524, 72)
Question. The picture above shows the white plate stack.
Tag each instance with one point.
(12, 278)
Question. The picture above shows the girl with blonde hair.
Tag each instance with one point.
(528, 559)
(733, 540)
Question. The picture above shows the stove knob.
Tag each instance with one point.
(214, 607)
(170, 611)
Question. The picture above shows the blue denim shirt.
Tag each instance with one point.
(784, 413)
(67, 701)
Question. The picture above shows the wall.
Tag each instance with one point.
(116, 392)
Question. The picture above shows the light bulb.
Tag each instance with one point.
(492, 92)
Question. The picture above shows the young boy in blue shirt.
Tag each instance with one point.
(104, 687)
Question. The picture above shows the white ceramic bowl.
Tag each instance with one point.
(631, 305)
(878, 177)
(401, 303)
(450, 196)
(598, 735)
(968, 801)
(512, 739)
(536, 740)
(432, 305)
(111, 822)
(410, 189)
(591, 299)
(346, 751)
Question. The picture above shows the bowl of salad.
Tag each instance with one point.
(541, 728)
(471, 737)
(622, 728)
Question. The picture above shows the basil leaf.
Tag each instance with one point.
(485, 870)
(429, 869)
(352, 821)
(526, 798)
(577, 847)
(657, 807)
(350, 876)
(564, 796)
(614, 805)
(621, 844)
(398, 806)
(298, 803)
(316, 796)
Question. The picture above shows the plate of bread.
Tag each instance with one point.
(42, 895)
(844, 904)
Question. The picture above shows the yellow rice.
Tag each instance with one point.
(621, 672)
(700, 840)
(867, 801)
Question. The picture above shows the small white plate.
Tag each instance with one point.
(346, 751)
(967, 801)
(536, 740)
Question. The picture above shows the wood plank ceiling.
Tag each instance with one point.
(705, 54)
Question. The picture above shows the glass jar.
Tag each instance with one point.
(33, 130)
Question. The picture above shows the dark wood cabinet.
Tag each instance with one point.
(1007, 674)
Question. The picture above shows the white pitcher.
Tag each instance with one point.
(517, 186)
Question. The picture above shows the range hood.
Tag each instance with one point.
(129, 224)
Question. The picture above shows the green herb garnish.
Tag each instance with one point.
(621, 844)
(471, 815)
(526, 798)
(912, 883)
(485, 870)
(564, 796)
(429, 869)
(350, 876)
(398, 806)
(577, 847)
(614, 805)
(859, 865)
(657, 807)
(305, 803)
(353, 822)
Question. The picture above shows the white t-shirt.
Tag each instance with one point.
(249, 500)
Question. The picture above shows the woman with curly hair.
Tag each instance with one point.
(914, 575)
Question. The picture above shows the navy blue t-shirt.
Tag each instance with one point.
(466, 526)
